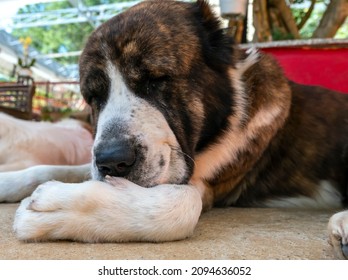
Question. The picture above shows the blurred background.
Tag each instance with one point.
(41, 40)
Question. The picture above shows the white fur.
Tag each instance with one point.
(119, 104)
(338, 233)
(327, 197)
(25, 143)
(16, 185)
(241, 99)
(32, 153)
(116, 211)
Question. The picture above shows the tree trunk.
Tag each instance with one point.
(307, 15)
(261, 21)
(287, 16)
(334, 16)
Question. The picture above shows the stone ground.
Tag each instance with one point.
(231, 233)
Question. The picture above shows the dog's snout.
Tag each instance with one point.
(115, 160)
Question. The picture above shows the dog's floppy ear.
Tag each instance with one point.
(218, 45)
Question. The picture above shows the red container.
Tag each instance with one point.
(321, 62)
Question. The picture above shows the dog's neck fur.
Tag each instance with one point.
(259, 113)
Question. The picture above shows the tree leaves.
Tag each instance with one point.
(59, 38)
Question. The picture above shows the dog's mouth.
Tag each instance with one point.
(146, 166)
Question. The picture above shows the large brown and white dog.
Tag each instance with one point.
(186, 121)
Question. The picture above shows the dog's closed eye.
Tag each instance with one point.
(157, 83)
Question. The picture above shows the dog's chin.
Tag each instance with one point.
(96, 175)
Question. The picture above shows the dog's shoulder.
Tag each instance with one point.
(291, 144)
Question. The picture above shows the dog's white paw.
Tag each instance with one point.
(96, 211)
(90, 211)
(52, 212)
(32, 225)
(53, 196)
(338, 234)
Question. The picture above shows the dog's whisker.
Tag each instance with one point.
(183, 153)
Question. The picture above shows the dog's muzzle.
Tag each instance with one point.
(115, 158)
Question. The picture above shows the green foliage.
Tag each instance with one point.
(101, 2)
(314, 20)
(342, 33)
(312, 23)
(22, 64)
(278, 35)
(59, 38)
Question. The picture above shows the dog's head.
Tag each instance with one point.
(156, 78)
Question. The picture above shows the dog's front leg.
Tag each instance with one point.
(338, 234)
(95, 211)
(16, 185)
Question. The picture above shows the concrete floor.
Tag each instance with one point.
(232, 233)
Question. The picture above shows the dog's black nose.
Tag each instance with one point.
(115, 158)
